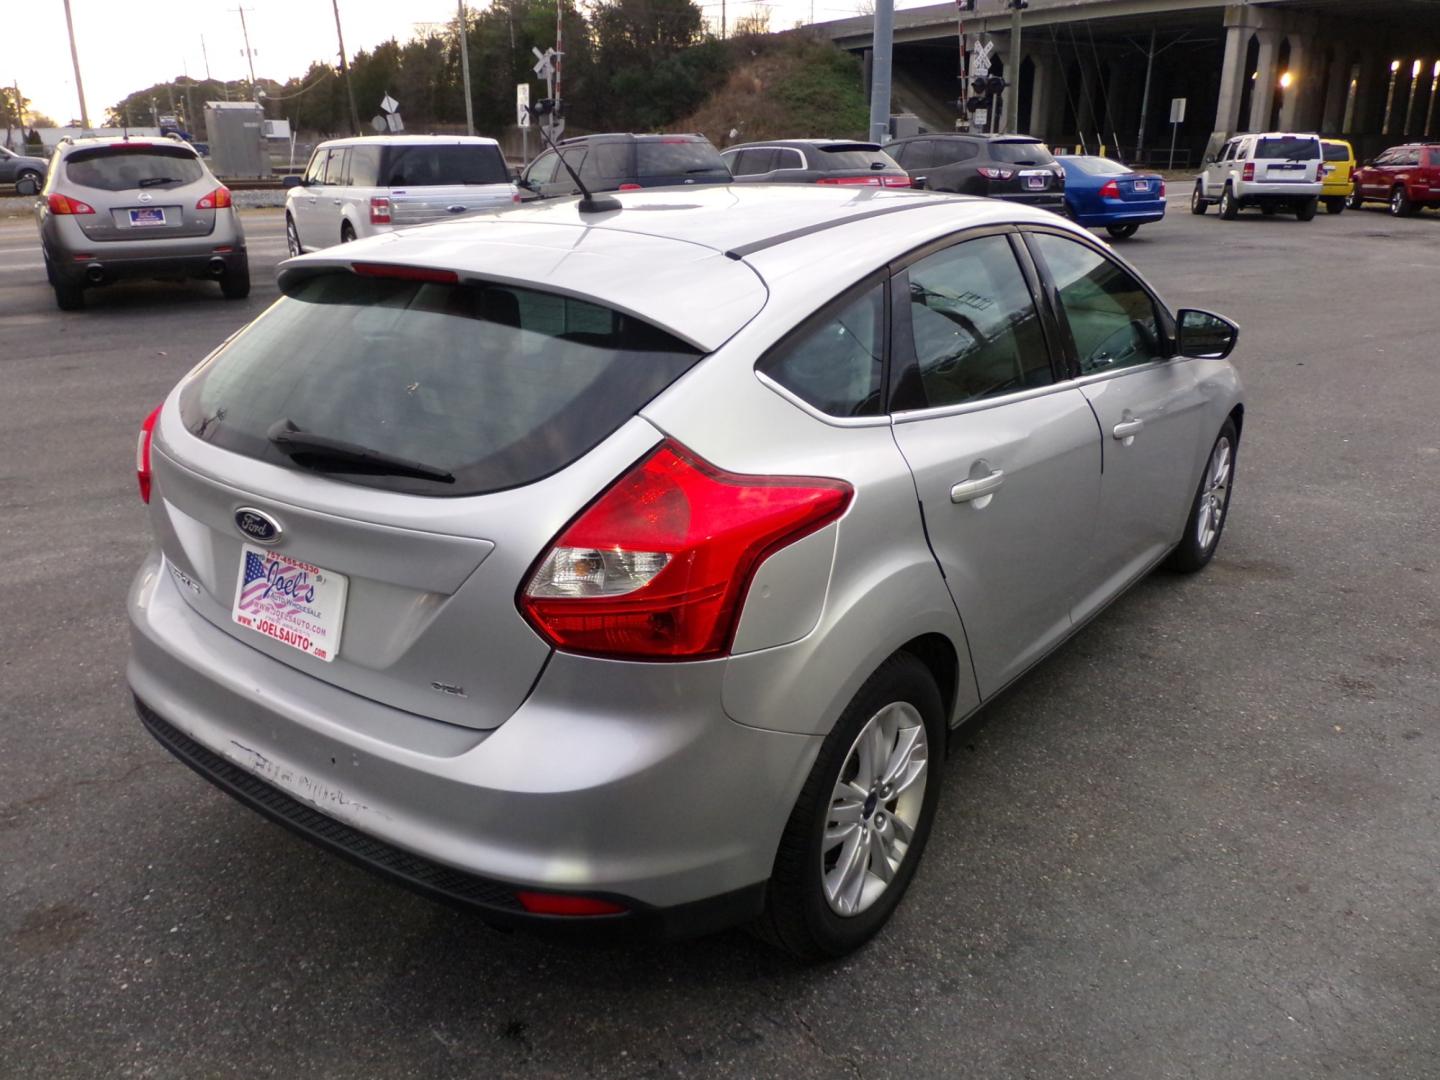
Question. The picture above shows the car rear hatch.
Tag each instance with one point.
(436, 181)
(846, 164)
(1287, 159)
(1023, 167)
(491, 414)
(141, 191)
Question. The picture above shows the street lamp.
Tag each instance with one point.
(1285, 80)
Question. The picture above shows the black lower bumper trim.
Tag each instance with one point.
(496, 901)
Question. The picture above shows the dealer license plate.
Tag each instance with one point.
(147, 215)
(1142, 185)
(1035, 181)
(290, 601)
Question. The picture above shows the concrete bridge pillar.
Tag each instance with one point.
(1295, 104)
(1232, 86)
(1262, 96)
(1337, 89)
(1042, 96)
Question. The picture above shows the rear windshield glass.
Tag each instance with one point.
(430, 166)
(1021, 153)
(112, 169)
(1335, 153)
(497, 385)
(663, 157)
(1288, 149)
(857, 158)
(1098, 166)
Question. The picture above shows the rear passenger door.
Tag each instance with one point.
(1006, 457)
(1150, 409)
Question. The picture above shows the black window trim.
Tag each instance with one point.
(1165, 319)
(901, 327)
(877, 278)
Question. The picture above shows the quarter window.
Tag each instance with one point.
(1111, 316)
(975, 329)
(834, 363)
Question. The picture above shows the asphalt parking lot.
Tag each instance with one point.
(1200, 841)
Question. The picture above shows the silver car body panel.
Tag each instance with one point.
(665, 782)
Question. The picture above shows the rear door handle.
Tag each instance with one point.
(1128, 428)
(975, 489)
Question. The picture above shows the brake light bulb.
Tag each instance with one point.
(658, 565)
(142, 453)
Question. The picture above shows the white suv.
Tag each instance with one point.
(1274, 170)
(354, 188)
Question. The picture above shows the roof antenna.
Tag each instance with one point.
(589, 204)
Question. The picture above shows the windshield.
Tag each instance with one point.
(1018, 152)
(677, 157)
(120, 168)
(497, 385)
(434, 166)
(1288, 148)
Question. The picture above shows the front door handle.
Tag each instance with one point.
(978, 488)
(1128, 429)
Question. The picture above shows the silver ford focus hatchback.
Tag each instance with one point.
(630, 569)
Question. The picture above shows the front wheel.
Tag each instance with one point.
(1228, 206)
(857, 831)
(1211, 506)
(292, 237)
(1306, 210)
(1400, 205)
(1198, 203)
(1122, 232)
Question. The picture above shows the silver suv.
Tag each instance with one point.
(354, 188)
(493, 558)
(1275, 171)
(116, 208)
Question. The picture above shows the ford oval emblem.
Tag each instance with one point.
(257, 525)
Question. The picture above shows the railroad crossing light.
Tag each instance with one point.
(995, 83)
(980, 85)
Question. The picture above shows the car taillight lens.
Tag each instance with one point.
(540, 903)
(142, 453)
(379, 210)
(628, 187)
(657, 567)
(847, 181)
(218, 199)
(64, 204)
(995, 174)
(1110, 190)
(1162, 188)
(895, 181)
(1248, 172)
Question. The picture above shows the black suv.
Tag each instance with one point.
(623, 163)
(1013, 167)
(814, 161)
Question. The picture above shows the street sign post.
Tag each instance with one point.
(389, 104)
(1177, 117)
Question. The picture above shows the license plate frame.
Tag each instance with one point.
(290, 601)
(147, 217)
(1035, 183)
(1142, 186)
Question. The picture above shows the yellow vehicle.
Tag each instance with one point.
(1339, 164)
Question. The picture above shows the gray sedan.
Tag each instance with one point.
(630, 570)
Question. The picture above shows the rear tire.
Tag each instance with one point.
(1400, 204)
(235, 285)
(1228, 206)
(1335, 204)
(1306, 210)
(1122, 232)
(1210, 508)
(69, 297)
(1198, 203)
(899, 708)
(347, 233)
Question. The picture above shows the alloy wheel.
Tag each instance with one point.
(1214, 496)
(874, 809)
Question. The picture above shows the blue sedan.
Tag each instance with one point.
(1101, 192)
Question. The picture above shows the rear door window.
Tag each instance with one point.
(435, 165)
(364, 166)
(128, 167)
(676, 157)
(1335, 153)
(497, 385)
(1286, 148)
(759, 159)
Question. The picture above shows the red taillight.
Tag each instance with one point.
(406, 273)
(64, 204)
(867, 181)
(1248, 172)
(628, 187)
(1162, 188)
(1110, 190)
(142, 453)
(995, 174)
(895, 181)
(657, 567)
(218, 199)
(379, 210)
(540, 903)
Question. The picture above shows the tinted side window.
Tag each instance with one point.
(787, 157)
(759, 159)
(542, 169)
(835, 363)
(1111, 317)
(315, 171)
(676, 157)
(364, 165)
(954, 151)
(613, 161)
(915, 155)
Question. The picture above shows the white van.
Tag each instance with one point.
(353, 188)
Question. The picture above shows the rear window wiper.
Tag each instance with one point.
(296, 443)
(152, 181)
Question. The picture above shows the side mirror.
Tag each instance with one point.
(27, 186)
(527, 184)
(1203, 335)
(1209, 160)
(293, 181)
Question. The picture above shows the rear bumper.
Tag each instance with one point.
(1142, 214)
(612, 780)
(1045, 200)
(1258, 194)
(77, 259)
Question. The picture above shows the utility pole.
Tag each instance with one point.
(345, 71)
(1012, 68)
(75, 59)
(1144, 101)
(464, 70)
(559, 51)
(249, 52)
(880, 70)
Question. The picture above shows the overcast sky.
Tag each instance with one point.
(127, 45)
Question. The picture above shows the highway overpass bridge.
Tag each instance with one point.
(1368, 70)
